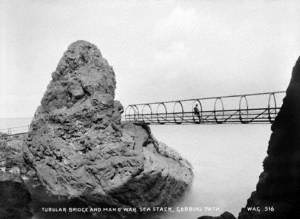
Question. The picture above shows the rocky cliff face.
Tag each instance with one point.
(79, 148)
(277, 194)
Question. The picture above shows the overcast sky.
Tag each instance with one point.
(160, 50)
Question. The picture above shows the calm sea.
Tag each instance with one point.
(227, 160)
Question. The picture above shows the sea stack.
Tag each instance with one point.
(79, 148)
(277, 194)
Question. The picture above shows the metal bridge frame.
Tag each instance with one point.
(177, 112)
(182, 111)
(18, 130)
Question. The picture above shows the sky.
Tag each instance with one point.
(160, 50)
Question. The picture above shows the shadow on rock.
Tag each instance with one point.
(14, 197)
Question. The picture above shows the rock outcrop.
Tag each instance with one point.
(79, 148)
(225, 215)
(277, 194)
(14, 196)
(11, 154)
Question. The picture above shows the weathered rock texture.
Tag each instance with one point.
(11, 154)
(79, 148)
(14, 196)
(277, 194)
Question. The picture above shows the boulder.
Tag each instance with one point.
(277, 194)
(80, 149)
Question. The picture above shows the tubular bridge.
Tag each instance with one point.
(233, 109)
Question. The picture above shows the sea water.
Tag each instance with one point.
(226, 160)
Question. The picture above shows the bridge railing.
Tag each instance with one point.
(15, 130)
(245, 108)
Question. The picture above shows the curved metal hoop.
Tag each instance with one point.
(243, 120)
(215, 110)
(272, 96)
(137, 113)
(144, 116)
(175, 113)
(128, 110)
(166, 113)
(197, 118)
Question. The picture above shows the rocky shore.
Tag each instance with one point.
(14, 196)
(78, 150)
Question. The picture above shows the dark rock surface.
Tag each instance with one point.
(14, 197)
(225, 215)
(80, 150)
(277, 194)
(11, 154)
